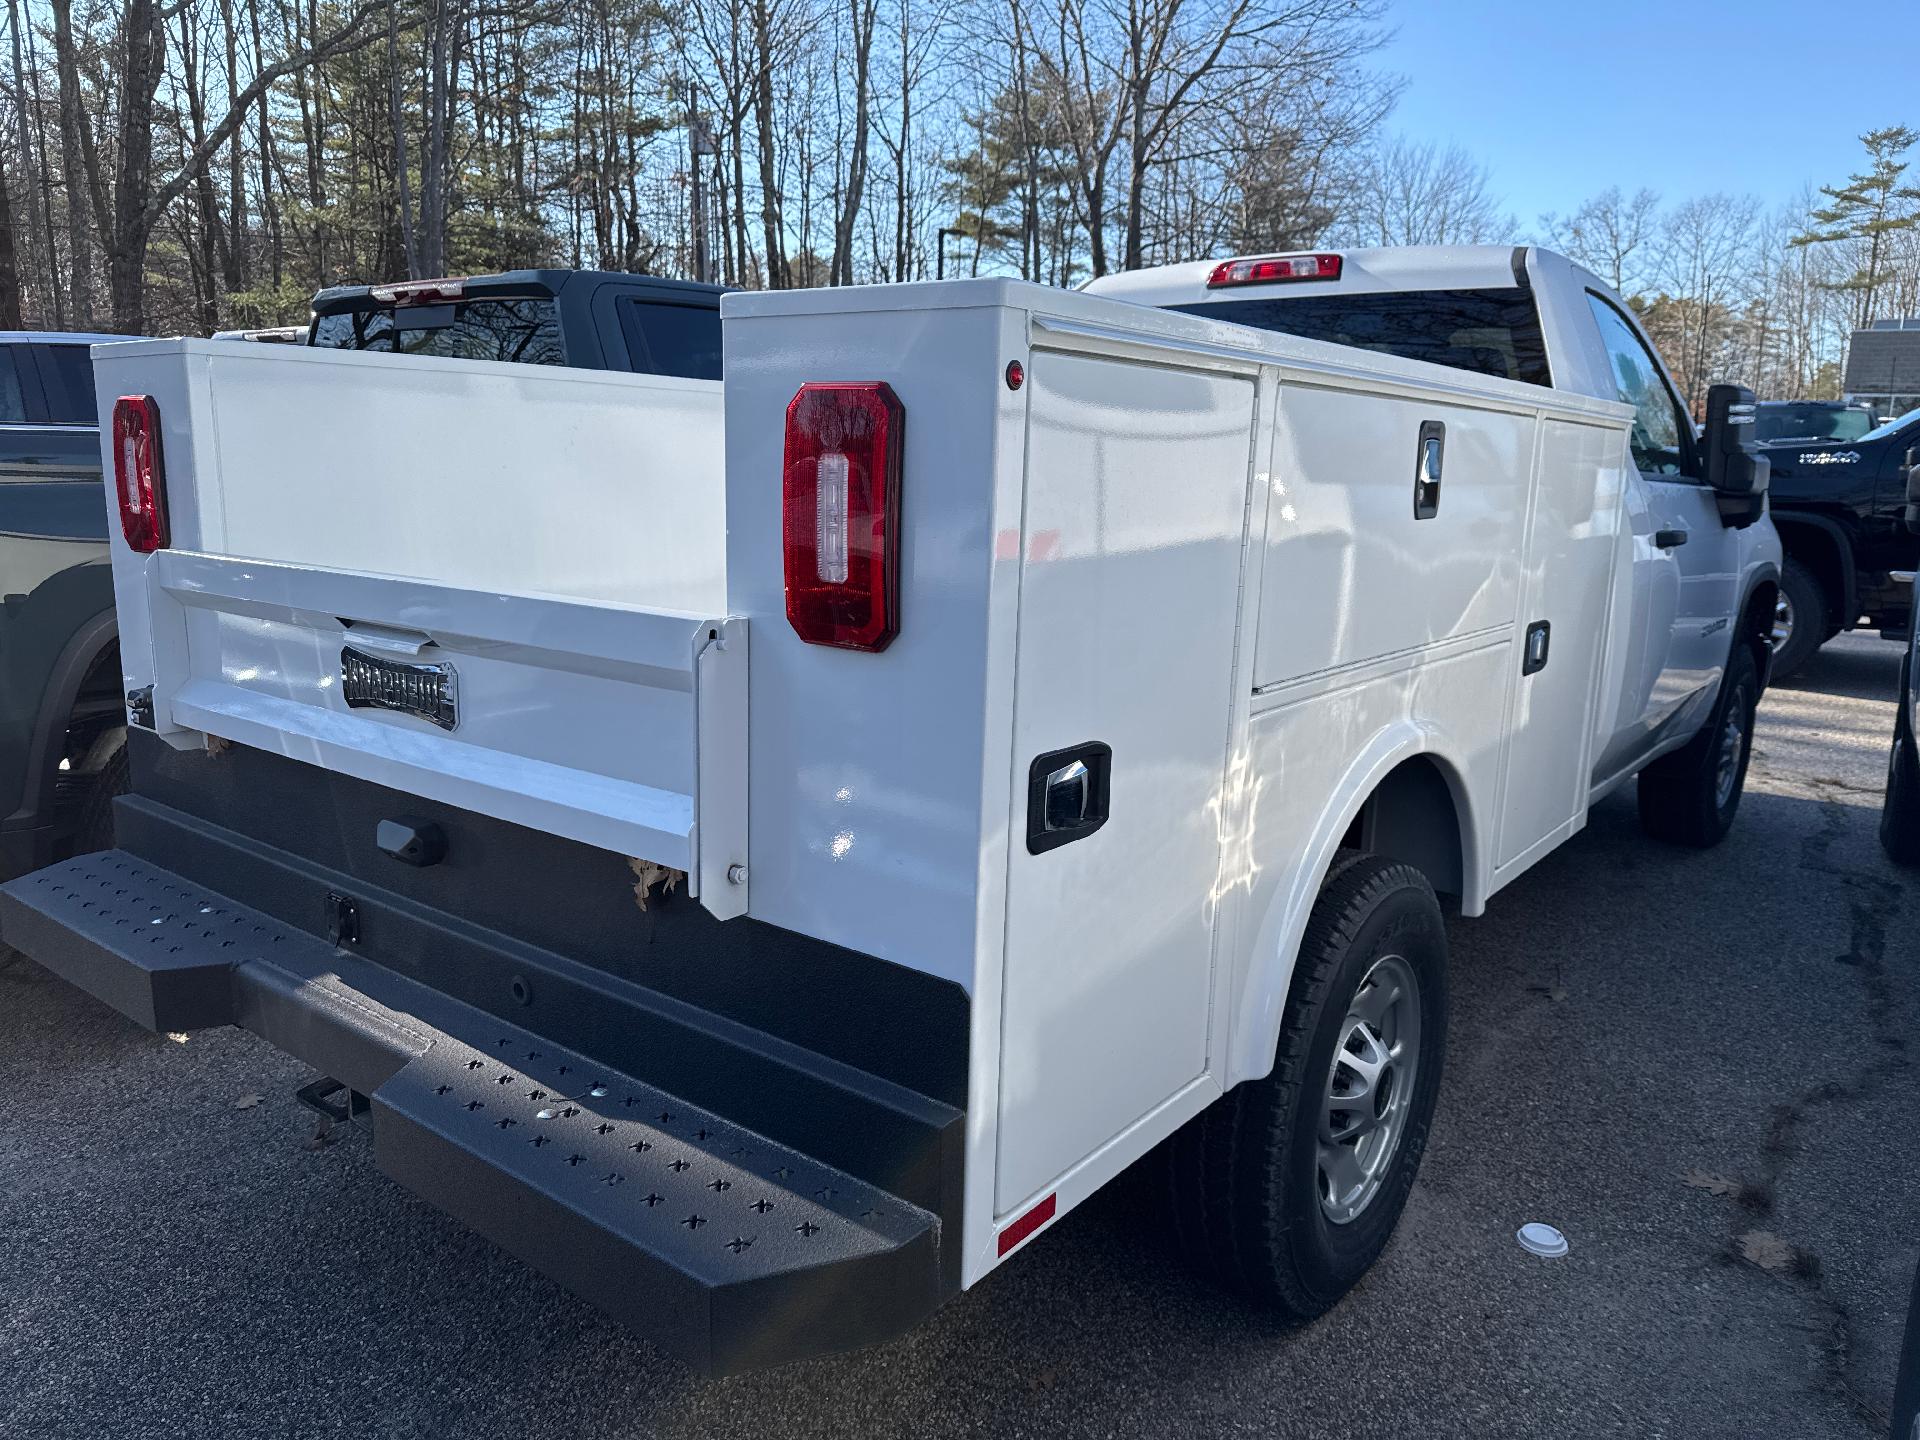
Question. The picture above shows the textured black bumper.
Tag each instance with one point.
(729, 1246)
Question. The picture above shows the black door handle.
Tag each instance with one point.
(1668, 539)
(1067, 794)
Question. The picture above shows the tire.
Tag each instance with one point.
(1900, 811)
(1691, 796)
(1249, 1190)
(95, 829)
(1805, 616)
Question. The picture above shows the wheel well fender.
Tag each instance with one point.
(83, 653)
(1404, 797)
(1755, 626)
(1823, 547)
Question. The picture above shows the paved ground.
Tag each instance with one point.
(1625, 1017)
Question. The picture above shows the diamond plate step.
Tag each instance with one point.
(727, 1248)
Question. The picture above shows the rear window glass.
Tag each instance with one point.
(526, 330)
(1490, 332)
(679, 340)
(66, 372)
(1808, 424)
(13, 405)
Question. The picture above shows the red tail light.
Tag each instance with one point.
(840, 514)
(1274, 267)
(139, 474)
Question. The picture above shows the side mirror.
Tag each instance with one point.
(1912, 472)
(1736, 470)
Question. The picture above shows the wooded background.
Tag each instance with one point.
(177, 166)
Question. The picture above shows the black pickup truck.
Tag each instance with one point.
(1837, 503)
(62, 717)
(62, 725)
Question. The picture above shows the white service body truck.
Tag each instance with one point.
(764, 892)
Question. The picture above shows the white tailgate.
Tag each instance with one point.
(560, 601)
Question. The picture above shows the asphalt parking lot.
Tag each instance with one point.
(1693, 1064)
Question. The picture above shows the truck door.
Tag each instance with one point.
(1685, 565)
(1131, 551)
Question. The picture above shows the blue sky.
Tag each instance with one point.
(1560, 100)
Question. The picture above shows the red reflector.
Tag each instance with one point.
(840, 514)
(1026, 1225)
(1270, 268)
(420, 292)
(138, 474)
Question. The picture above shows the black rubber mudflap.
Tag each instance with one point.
(726, 1248)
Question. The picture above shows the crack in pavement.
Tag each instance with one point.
(1872, 903)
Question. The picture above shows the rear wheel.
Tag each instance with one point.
(1690, 797)
(1288, 1187)
(1900, 811)
(1800, 619)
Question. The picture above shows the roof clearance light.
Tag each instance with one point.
(1268, 268)
(420, 292)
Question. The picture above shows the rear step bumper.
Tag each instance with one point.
(728, 1249)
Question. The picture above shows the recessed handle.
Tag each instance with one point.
(1428, 462)
(1067, 793)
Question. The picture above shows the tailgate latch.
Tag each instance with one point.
(343, 919)
(140, 707)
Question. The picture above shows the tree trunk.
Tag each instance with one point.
(132, 224)
(73, 168)
(9, 264)
(863, 15)
(779, 277)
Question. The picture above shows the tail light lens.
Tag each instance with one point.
(1266, 270)
(139, 474)
(840, 514)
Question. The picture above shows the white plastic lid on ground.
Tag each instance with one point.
(1539, 1239)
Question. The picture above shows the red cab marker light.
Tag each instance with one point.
(840, 514)
(1267, 269)
(1016, 375)
(1026, 1224)
(139, 477)
(420, 292)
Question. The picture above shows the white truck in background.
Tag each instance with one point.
(765, 893)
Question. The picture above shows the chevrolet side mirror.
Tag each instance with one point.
(1736, 470)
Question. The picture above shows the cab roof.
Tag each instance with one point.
(1389, 268)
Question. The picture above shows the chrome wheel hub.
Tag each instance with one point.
(1782, 621)
(1370, 1089)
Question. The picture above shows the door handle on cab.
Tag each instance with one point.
(1668, 539)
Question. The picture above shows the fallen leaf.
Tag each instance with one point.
(1766, 1249)
(247, 1102)
(179, 1037)
(1706, 1180)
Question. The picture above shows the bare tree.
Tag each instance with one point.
(1410, 193)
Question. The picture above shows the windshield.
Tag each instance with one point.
(523, 329)
(1809, 424)
(1490, 332)
(1892, 425)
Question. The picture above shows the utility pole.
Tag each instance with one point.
(700, 148)
(940, 252)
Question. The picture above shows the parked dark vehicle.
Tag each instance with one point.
(1837, 505)
(1809, 422)
(62, 727)
(1906, 1385)
(587, 319)
(1900, 813)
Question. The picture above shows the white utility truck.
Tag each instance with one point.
(764, 893)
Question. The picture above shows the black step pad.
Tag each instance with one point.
(725, 1247)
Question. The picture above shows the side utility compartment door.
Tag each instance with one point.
(1132, 546)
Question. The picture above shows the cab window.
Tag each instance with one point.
(1660, 426)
